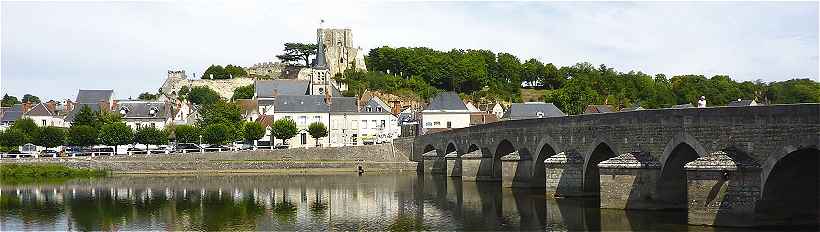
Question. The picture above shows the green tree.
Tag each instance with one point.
(9, 101)
(146, 96)
(82, 135)
(50, 137)
(116, 134)
(253, 131)
(284, 129)
(317, 130)
(794, 91)
(86, 117)
(227, 113)
(106, 117)
(31, 99)
(217, 134)
(244, 92)
(183, 93)
(202, 95)
(296, 52)
(150, 136)
(532, 71)
(186, 134)
(11, 139)
(234, 71)
(214, 72)
(28, 127)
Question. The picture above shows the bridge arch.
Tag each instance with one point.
(790, 188)
(601, 151)
(546, 148)
(429, 148)
(671, 186)
(451, 147)
(504, 147)
(472, 148)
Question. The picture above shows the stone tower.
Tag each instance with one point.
(175, 80)
(340, 53)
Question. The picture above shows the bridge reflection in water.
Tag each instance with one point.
(337, 202)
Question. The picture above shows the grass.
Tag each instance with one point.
(532, 95)
(20, 173)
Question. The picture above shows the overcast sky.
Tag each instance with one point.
(52, 49)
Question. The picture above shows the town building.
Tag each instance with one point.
(139, 114)
(445, 111)
(634, 108)
(43, 115)
(96, 100)
(530, 110)
(377, 123)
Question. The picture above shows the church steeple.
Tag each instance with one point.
(320, 62)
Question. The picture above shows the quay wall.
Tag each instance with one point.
(380, 157)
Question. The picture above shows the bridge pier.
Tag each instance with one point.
(564, 174)
(515, 171)
(629, 181)
(723, 190)
(470, 165)
(433, 164)
(453, 164)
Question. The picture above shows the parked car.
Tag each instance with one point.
(186, 147)
(281, 146)
(77, 151)
(49, 153)
(134, 150)
(216, 147)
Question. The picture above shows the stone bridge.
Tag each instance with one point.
(728, 166)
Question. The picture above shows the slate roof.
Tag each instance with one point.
(519, 111)
(11, 116)
(446, 101)
(343, 105)
(40, 110)
(94, 96)
(267, 88)
(300, 103)
(374, 105)
(142, 109)
(594, 109)
(742, 103)
(70, 117)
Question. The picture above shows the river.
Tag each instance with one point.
(309, 202)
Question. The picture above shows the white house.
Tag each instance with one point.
(377, 123)
(304, 110)
(43, 116)
(445, 111)
(138, 114)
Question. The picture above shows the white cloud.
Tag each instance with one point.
(52, 49)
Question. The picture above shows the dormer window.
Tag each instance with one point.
(369, 109)
(153, 111)
(539, 114)
(123, 110)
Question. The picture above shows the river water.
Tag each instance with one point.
(308, 202)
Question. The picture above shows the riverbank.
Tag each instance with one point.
(372, 158)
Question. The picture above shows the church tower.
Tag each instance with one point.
(320, 83)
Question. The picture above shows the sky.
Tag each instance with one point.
(52, 49)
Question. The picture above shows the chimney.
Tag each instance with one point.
(51, 105)
(115, 104)
(26, 106)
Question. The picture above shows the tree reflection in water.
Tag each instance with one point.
(339, 202)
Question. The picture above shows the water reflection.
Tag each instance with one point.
(333, 202)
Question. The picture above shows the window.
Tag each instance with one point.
(381, 124)
(153, 125)
(288, 117)
(369, 109)
(428, 124)
(449, 124)
(303, 138)
(302, 120)
(317, 118)
(437, 123)
(139, 125)
(44, 122)
(364, 124)
(374, 124)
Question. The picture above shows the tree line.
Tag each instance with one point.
(9, 100)
(227, 72)
(485, 75)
